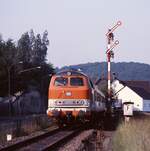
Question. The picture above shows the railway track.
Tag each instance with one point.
(44, 142)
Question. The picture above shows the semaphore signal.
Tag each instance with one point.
(110, 54)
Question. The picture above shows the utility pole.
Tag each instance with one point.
(110, 54)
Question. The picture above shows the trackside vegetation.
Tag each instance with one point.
(133, 136)
(17, 58)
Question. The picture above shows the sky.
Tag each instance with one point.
(77, 28)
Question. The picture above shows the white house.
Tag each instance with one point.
(139, 96)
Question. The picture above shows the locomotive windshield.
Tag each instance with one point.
(61, 81)
(76, 81)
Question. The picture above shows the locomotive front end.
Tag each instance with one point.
(69, 97)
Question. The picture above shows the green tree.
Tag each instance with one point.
(24, 46)
(39, 49)
(31, 50)
(32, 41)
(8, 59)
(9, 53)
(45, 43)
(2, 69)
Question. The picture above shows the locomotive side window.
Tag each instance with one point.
(61, 81)
(76, 81)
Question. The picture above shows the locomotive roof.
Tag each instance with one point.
(70, 72)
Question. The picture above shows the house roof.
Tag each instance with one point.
(142, 84)
(141, 92)
(138, 87)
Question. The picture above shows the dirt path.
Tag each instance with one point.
(101, 141)
(105, 139)
(90, 140)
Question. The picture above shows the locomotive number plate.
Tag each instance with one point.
(68, 93)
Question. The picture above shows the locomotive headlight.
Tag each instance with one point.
(86, 102)
(82, 102)
(52, 103)
(58, 102)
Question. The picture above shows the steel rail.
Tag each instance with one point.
(46, 141)
(62, 140)
(25, 142)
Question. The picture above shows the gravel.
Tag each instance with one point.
(76, 143)
(90, 140)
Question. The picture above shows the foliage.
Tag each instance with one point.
(29, 52)
(26, 126)
(8, 53)
(24, 46)
(33, 49)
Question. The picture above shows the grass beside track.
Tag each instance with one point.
(20, 129)
(133, 136)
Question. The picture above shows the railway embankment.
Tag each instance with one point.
(18, 127)
(133, 135)
(90, 140)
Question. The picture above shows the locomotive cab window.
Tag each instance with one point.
(61, 81)
(76, 81)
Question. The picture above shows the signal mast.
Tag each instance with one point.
(110, 54)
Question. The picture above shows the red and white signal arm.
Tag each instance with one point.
(128, 108)
(119, 23)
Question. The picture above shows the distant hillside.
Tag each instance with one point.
(123, 70)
